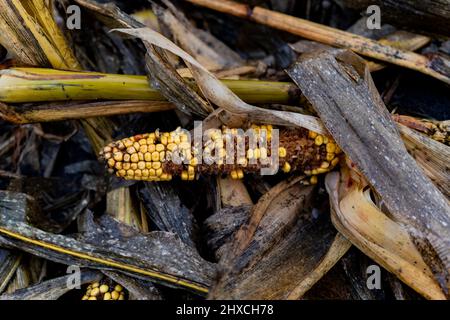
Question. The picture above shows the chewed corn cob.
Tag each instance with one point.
(105, 289)
(151, 156)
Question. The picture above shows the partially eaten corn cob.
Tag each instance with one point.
(151, 156)
(105, 289)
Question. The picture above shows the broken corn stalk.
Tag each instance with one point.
(152, 156)
(20, 85)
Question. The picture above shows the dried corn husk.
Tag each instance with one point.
(388, 243)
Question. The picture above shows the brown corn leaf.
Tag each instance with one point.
(341, 90)
(382, 239)
(282, 250)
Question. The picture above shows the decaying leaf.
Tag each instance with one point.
(159, 256)
(341, 90)
(281, 251)
(382, 239)
(51, 289)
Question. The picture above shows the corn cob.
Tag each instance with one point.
(151, 156)
(105, 289)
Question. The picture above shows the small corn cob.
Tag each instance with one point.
(105, 289)
(150, 156)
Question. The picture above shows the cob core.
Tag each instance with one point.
(159, 156)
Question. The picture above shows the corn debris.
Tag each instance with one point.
(159, 156)
(106, 289)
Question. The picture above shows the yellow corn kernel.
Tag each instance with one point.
(171, 146)
(143, 149)
(133, 166)
(134, 157)
(191, 170)
(152, 172)
(148, 156)
(156, 165)
(331, 147)
(257, 153)
(107, 296)
(330, 156)
(155, 156)
(140, 156)
(307, 172)
(325, 139)
(127, 143)
(111, 163)
(282, 152)
(240, 174)
(138, 173)
(286, 167)
(145, 172)
(160, 147)
(162, 156)
(318, 140)
(122, 172)
(313, 180)
(191, 177)
(118, 165)
(151, 148)
(312, 134)
(250, 154)
(118, 156)
(234, 175)
(184, 175)
(164, 140)
(322, 170)
(159, 172)
(120, 145)
(126, 166)
(141, 165)
(130, 172)
(334, 162)
(148, 165)
(324, 165)
(194, 161)
(114, 295)
(131, 150)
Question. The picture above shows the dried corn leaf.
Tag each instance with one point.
(341, 90)
(204, 47)
(282, 250)
(137, 289)
(219, 94)
(382, 239)
(51, 289)
(30, 32)
(432, 156)
(9, 261)
(222, 225)
(166, 210)
(159, 256)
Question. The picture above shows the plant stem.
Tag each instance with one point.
(331, 36)
(20, 85)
